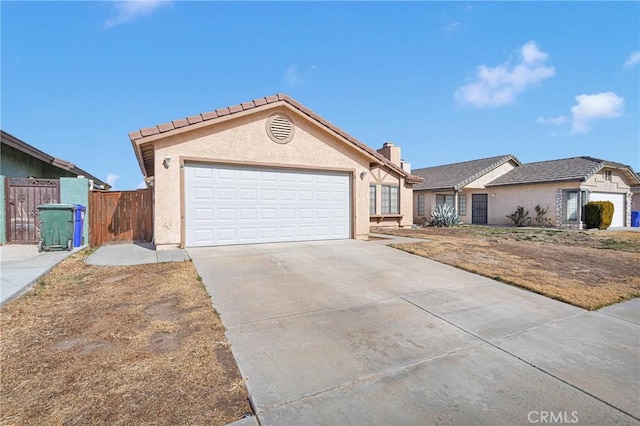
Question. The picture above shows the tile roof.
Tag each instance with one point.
(12, 141)
(457, 175)
(146, 162)
(566, 169)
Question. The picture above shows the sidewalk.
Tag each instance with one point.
(21, 266)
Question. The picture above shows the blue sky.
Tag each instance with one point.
(447, 81)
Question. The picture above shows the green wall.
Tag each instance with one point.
(3, 212)
(14, 163)
(76, 191)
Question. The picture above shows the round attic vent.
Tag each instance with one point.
(280, 128)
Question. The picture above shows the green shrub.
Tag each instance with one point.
(445, 215)
(598, 214)
(520, 217)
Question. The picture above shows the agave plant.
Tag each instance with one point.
(445, 215)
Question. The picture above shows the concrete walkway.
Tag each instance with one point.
(354, 332)
(21, 266)
(134, 254)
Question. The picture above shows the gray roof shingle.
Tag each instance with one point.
(566, 169)
(457, 175)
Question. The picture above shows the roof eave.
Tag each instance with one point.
(139, 138)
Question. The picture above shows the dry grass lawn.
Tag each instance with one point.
(118, 345)
(589, 269)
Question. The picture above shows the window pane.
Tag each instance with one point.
(385, 199)
(394, 200)
(421, 205)
(444, 199)
(462, 204)
(372, 199)
(571, 206)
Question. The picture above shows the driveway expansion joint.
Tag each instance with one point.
(373, 376)
(542, 370)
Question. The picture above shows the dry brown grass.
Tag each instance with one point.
(118, 345)
(586, 269)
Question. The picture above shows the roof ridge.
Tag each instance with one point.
(468, 161)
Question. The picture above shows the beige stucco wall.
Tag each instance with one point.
(488, 177)
(504, 200)
(243, 140)
(598, 183)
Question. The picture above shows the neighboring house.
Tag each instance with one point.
(268, 170)
(462, 185)
(30, 177)
(498, 185)
(565, 186)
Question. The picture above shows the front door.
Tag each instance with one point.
(479, 208)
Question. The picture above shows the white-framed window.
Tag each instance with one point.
(608, 175)
(462, 204)
(573, 202)
(372, 199)
(390, 199)
(420, 204)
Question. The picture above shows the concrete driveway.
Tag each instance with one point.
(354, 332)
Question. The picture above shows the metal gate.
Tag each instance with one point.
(24, 195)
(479, 208)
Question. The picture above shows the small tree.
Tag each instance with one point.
(520, 217)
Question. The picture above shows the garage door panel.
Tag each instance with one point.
(618, 201)
(239, 205)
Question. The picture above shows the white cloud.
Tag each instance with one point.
(112, 179)
(142, 185)
(294, 77)
(501, 85)
(128, 10)
(552, 120)
(634, 58)
(451, 27)
(593, 107)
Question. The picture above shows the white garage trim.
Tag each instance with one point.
(228, 204)
(618, 200)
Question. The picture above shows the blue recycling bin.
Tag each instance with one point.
(635, 219)
(78, 224)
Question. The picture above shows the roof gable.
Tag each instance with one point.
(457, 175)
(566, 169)
(142, 139)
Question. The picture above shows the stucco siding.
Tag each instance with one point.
(506, 199)
(245, 141)
(488, 177)
(76, 191)
(598, 183)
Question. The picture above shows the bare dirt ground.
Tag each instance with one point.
(117, 345)
(589, 269)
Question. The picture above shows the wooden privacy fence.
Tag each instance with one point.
(120, 216)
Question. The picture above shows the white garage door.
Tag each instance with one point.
(245, 205)
(618, 205)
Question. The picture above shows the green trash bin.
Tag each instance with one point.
(56, 226)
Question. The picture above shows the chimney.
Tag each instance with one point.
(391, 153)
